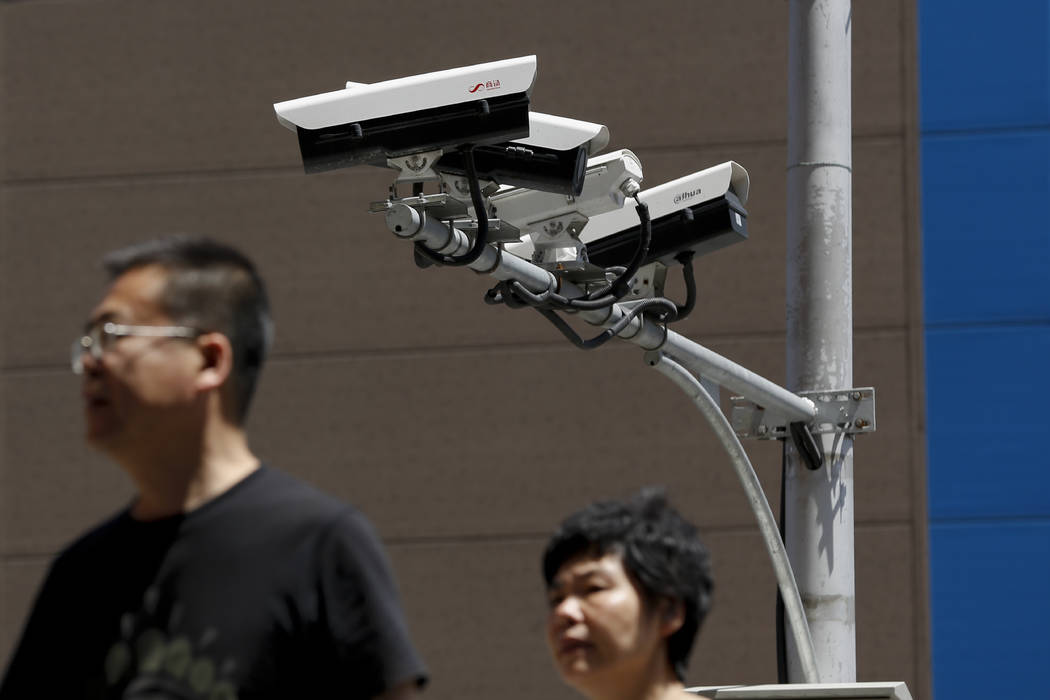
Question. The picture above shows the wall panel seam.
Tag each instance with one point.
(288, 171)
(419, 352)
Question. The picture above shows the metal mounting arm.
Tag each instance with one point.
(413, 224)
(756, 499)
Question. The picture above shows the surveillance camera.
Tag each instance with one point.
(701, 213)
(553, 222)
(482, 104)
(552, 158)
(562, 133)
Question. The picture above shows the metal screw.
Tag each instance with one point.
(861, 423)
(416, 163)
(855, 395)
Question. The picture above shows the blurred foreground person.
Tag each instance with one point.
(628, 586)
(223, 579)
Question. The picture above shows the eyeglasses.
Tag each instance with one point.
(100, 339)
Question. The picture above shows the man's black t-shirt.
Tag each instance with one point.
(271, 590)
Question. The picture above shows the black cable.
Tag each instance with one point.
(571, 335)
(511, 299)
(620, 286)
(598, 299)
(551, 299)
(608, 333)
(514, 294)
(494, 296)
(686, 259)
(781, 627)
(811, 453)
(592, 304)
(481, 238)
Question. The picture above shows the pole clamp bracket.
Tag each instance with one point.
(849, 411)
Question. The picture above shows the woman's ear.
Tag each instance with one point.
(217, 361)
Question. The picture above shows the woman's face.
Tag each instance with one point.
(599, 629)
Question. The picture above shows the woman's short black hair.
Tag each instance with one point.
(659, 548)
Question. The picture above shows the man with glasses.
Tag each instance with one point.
(223, 578)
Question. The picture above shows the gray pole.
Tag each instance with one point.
(818, 514)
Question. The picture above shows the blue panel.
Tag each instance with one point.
(985, 119)
(990, 607)
(986, 225)
(987, 421)
(983, 64)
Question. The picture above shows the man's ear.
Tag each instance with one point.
(217, 355)
(672, 616)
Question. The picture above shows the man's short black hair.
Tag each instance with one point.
(659, 548)
(214, 288)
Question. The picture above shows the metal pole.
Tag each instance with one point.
(818, 513)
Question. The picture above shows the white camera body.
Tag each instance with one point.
(561, 133)
(360, 102)
(482, 104)
(701, 212)
(421, 124)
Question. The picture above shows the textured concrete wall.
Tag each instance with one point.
(464, 431)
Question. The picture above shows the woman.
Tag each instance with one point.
(628, 585)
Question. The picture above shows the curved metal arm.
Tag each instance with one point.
(759, 505)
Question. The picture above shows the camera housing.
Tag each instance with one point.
(553, 222)
(483, 104)
(702, 212)
(552, 158)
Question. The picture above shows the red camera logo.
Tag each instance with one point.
(486, 86)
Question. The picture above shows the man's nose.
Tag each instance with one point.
(89, 364)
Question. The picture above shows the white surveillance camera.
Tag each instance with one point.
(562, 133)
(552, 158)
(701, 213)
(482, 104)
(553, 222)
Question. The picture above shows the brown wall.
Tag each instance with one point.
(464, 431)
